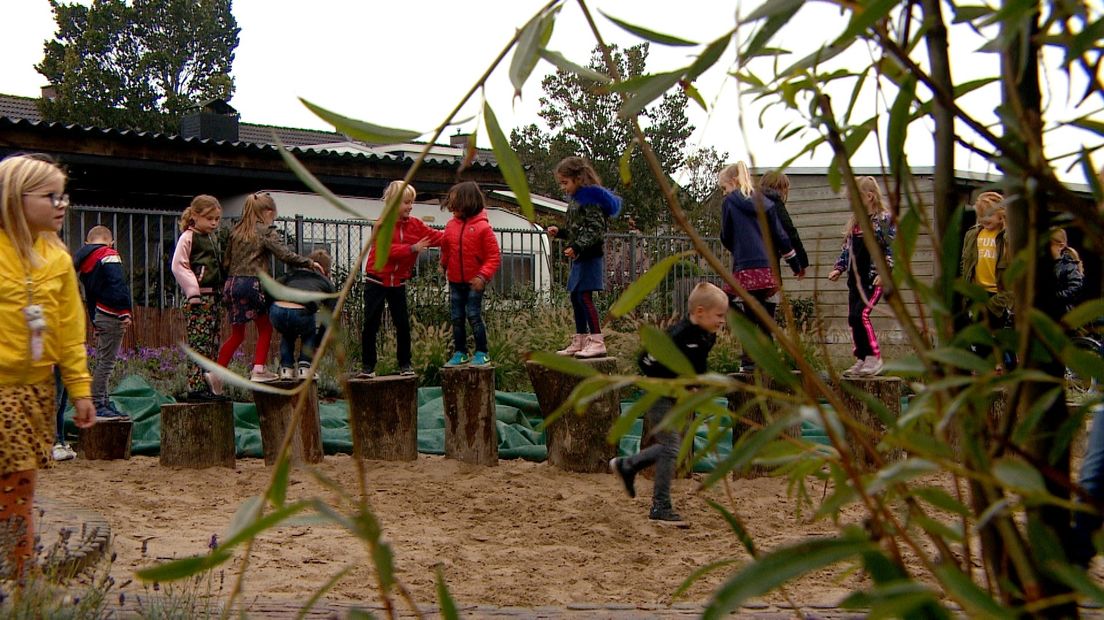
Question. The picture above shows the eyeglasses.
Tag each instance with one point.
(60, 201)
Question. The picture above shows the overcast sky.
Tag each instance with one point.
(406, 64)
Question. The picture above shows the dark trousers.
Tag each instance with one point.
(860, 302)
(663, 454)
(375, 296)
(586, 314)
(466, 306)
(295, 324)
(737, 304)
(62, 398)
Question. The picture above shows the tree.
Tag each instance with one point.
(582, 120)
(140, 65)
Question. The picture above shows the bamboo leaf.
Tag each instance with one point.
(182, 568)
(563, 363)
(662, 349)
(694, 95)
(232, 378)
(648, 35)
(447, 605)
(508, 163)
(625, 421)
(624, 163)
(248, 531)
(761, 349)
(534, 36)
(384, 229)
(758, 44)
(865, 15)
(960, 358)
(709, 57)
(286, 293)
(644, 285)
(1084, 314)
(320, 592)
(1089, 124)
(360, 130)
(313, 183)
(1018, 476)
(941, 499)
(772, 8)
(977, 603)
(745, 451)
(563, 63)
(384, 561)
(651, 88)
(737, 527)
(897, 132)
(277, 493)
(701, 572)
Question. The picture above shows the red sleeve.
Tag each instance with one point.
(493, 254)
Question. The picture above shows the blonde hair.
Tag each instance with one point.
(738, 173)
(99, 234)
(871, 196)
(322, 257)
(706, 295)
(19, 175)
(1059, 235)
(988, 201)
(201, 206)
(252, 214)
(394, 186)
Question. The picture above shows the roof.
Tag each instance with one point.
(12, 106)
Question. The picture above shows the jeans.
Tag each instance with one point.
(295, 324)
(375, 296)
(466, 303)
(1092, 480)
(62, 397)
(109, 336)
(662, 454)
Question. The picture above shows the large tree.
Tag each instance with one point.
(582, 120)
(138, 65)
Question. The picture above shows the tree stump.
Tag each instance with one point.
(197, 435)
(107, 440)
(886, 390)
(757, 412)
(470, 422)
(576, 442)
(383, 417)
(275, 412)
(996, 412)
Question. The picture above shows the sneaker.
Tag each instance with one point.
(287, 374)
(263, 376)
(369, 374)
(480, 359)
(458, 359)
(665, 515)
(63, 452)
(872, 367)
(747, 366)
(406, 371)
(303, 372)
(853, 371)
(214, 381)
(109, 412)
(627, 478)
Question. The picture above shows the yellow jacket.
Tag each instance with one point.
(54, 287)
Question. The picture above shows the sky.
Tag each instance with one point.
(407, 64)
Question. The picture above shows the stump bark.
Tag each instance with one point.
(758, 411)
(276, 411)
(383, 417)
(470, 423)
(197, 435)
(576, 442)
(108, 440)
(886, 390)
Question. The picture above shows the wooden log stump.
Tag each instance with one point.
(758, 412)
(576, 442)
(107, 440)
(998, 406)
(275, 412)
(197, 435)
(855, 391)
(470, 424)
(383, 417)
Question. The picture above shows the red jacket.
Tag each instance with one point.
(470, 249)
(400, 261)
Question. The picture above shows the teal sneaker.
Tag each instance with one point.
(480, 359)
(458, 359)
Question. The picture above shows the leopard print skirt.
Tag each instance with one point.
(27, 420)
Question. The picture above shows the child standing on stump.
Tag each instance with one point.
(1069, 272)
(197, 267)
(298, 321)
(470, 255)
(387, 285)
(41, 325)
(864, 285)
(588, 216)
(107, 299)
(694, 336)
(985, 257)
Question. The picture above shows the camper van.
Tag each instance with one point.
(310, 222)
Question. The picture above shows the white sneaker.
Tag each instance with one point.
(263, 376)
(287, 374)
(872, 367)
(303, 372)
(63, 452)
(215, 382)
(853, 371)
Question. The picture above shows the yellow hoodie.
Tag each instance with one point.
(54, 287)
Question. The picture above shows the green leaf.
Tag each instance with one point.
(709, 57)
(644, 285)
(230, 377)
(286, 293)
(865, 15)
(625, 421)
(360, 130)
(761, 349)
(744, 451)
(384, 228)
(534, 36)
(317, 595)
(694, 95)
(758, 44)
(447, 606)
(564, 64)
(960, 358)
(977, 603)
(313, 183)
(562, 363)
(965, 14)
(1077, 579)
(650, 88)
(773, 8)
(660, 346)
(182, 568)
(737, 527)
(899, 118)
(700, 572)
(779, 567)
(384, 561)
(247, 531)
(277, 493)
(624, 163)
(649, 35)
(1084, 313)
(1019, 476)
(938, 528)
(941, 499)
(508, 163)
(1088, 124)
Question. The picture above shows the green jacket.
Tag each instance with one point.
(1000, 301)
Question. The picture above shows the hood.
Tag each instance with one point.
(773, 194)
(482, 215)
(598, 195)
(84, 252)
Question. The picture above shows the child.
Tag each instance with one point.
(62, 450)
(296, 321)
(588, 217)
(253, 242)
(742, 235)
(1069, 274)
(41, 325)
(197, 267)
(985, 257)
(776, 186)
(694, 336)
(864, 285)
(388, 284)
(470, 255)
(107, 299)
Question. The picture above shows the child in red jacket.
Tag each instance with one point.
(388, 283)
(470, 255)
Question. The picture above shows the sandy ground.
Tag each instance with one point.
(519, 534)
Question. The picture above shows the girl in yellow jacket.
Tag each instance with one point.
(41, 325)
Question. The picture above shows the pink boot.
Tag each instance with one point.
(595, 347)
(578, 341)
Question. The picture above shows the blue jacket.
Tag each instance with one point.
(105, 286)
(741, 235)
